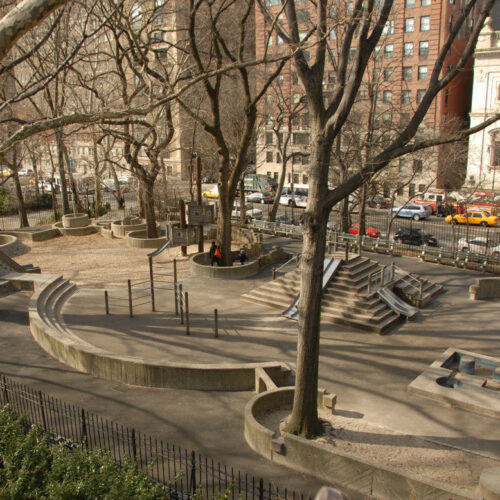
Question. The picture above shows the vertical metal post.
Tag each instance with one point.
(181, 304)
(186, 300)
(216, 321)
(421, 289)
(393, 271)
(134, 446)
(175, 289)
(198, 202)
(192, 481)
(84, 428)
(274, 273)
(40, 400)
(335, 241)
(347, 251)
(106, 301)
(151, 282)
(182, 222)
(382, 275)
(130, 298)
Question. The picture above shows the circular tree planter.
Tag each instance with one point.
(6, 241)
(139, 239)
(121, 227)
(199, 265)
(75, 231)
(75, 220)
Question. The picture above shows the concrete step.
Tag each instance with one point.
(379, 328)
(6, 288)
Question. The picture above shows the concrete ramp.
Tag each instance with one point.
(330, 265)
(396, 304)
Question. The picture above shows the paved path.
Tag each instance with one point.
(369, 373)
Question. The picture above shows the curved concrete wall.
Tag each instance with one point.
(75, 220)
(329, 463)
(75, 352)
(75, 231)
(139, 239)
(7, 240)
(120, 230)
(199, 265)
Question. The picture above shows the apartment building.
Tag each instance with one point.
(483, 165)
(397, 79)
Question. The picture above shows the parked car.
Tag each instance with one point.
(379, 202)
(372, 232)
(479, 245)
(212, 193)
(47, 187)
(259, 197)
(479, 218)
(125, 179)
(250, 213)
(26, 171)
(410, 236)
(415, 212)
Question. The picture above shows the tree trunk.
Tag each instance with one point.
(149, 207)
(21, 208)
(141, 212)
(224, 215)
(304, 418)
(362, 211)
(279, 189)
(62, 174)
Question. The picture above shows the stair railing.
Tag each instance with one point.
(416, 284)
(295, 258)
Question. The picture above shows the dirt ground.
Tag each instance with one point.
(95, 262)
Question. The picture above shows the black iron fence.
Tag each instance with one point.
(183, 473)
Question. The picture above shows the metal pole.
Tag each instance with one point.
(198, 202)
(106, 301)
(130, 299)
(347, 251)
(421, 289)
(186, 300)
(382, 275)
(151, 282)
(216, 324)
(182, 222)
(181, 304)
(393, 271)
(175, 289)
(274, 273)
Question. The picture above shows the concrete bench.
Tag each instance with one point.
(485, 288)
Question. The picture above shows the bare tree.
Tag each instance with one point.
(364, 29)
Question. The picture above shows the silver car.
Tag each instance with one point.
(411, 211)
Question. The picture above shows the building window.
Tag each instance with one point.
(420, 95)
(269, 156)
(407, 73)
(303, 15)
(423, 49)
(349, 8)
(332, 35)
(495, 148)
(387, 96)
(305, 161)
(421, 188)
(498, 92)
(279, 40)
(170, 170)
(400, 190)
(275, 176)
(422, 72)
(406, 97)
(388, 74)
(411, 189)
(269, 100)
(389, 50)
(426, 3)
(269, 174)
(377, 51)
(295, 159)
(269, 137)
(425, 23)
(295, 178)
(409, 4)
(331, 77)
(409, 25)
(408, 49)
(300, 138)
(389, 28)
(404, 119)
(305, 179)
(401, 164)
(417, 166)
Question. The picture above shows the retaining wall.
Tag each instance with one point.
(199, 265)
(485, 288)
(139, 239)
(75, 231)
(330, 464)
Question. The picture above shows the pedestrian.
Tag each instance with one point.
(242, 256)
(217, 255)
(211, 253)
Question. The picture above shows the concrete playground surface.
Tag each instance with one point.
(369, 373)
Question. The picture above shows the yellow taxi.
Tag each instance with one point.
(213, 193)
(473, 218)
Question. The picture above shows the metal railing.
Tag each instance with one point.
(295, 258)
(183, 473)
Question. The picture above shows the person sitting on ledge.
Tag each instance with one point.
(242, 256)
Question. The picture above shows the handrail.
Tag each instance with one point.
(295, 257)
(159, 250)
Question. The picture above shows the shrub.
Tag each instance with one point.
(34, 468)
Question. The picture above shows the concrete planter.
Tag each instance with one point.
(6, 240)
(139, 239)
(121, 227)
(199, 265)
(75, 231)
(75, 220)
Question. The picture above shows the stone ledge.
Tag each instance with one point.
(485, 288)
(75, 220)
(139, 239)
(330, 464)
(75, 231)
(199, 265)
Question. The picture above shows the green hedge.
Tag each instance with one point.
(33, 468)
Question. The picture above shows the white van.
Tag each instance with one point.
(296, 196)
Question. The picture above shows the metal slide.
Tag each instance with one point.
(330, 265)
(396, 304)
